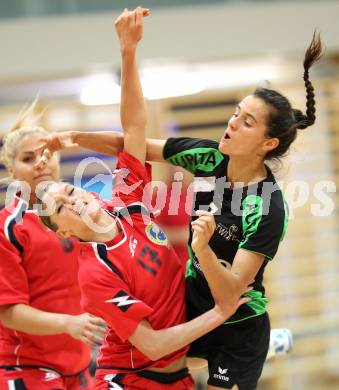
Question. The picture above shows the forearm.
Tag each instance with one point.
(224, 284)
(133, 107)
(165, 341)
(105, 142)
(112, 143)
(29, 320)
(176, 235)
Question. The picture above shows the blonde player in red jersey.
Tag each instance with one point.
(129, 273)
(43, 329)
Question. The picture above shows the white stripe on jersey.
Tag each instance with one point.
(14, 214)
(114, 386)
(11, 385)
(95, 244)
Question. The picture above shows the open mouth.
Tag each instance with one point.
(81, 209)
(42, 176)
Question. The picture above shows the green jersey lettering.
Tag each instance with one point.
(203, 159)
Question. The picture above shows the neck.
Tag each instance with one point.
(32, 201)
(243, 171)
(107, 228)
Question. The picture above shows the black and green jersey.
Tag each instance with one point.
(252, 217)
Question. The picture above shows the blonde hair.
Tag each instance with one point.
(19, 130)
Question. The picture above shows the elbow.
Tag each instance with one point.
(154, 349)
(5, 316)
(244, 286)
(137, 128)
(153, 352)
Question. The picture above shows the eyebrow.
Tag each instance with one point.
(28, 151)
(248, 114)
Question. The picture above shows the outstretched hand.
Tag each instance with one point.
(129, 27)
(53, 143)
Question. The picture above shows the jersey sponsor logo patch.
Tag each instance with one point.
(229, 233)
(122, 300)
(204, 159)
(155, 234)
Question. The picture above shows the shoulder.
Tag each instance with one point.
(194, 154)
(13, 221)
(99, 260)
(184, 143)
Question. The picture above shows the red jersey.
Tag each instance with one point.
(40, 270)
(135, 276)
(174, 216)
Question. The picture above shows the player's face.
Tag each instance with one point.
(245, 135)
(27, 154)
(72, 209)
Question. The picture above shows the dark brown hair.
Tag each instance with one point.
(283, 120)
(46, 220)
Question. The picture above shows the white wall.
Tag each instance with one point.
(67, 45)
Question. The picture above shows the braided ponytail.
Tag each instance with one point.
(283, 120)
(312, 55)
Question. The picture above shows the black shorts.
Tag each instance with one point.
(236, 353)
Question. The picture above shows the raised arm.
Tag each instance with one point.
(129, 27)
(133, 114)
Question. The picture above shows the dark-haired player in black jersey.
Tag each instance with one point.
(245, 219)
(233, 183)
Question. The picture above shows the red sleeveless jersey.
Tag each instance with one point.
(135, 276)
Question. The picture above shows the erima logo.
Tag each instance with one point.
(133, 242)
(122, 300)
(221, 375)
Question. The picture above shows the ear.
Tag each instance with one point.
(61, 233)
(270, 144)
